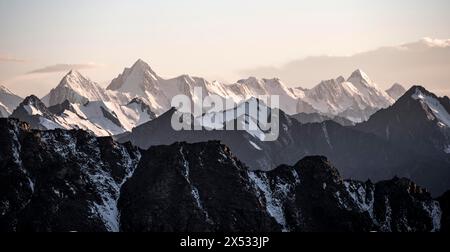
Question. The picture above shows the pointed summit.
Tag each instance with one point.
(136, 79)
(359, 76)
(141, 65)
(72, 76)
(75, 88)
(396, 91)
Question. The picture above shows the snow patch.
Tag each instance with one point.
(31, 110)
(255, 145)
(360, 197)
(273, 205)
(439, 112)
(325, 133)
(434, 211)
(194, 189)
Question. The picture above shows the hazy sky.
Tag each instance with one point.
(209, 38)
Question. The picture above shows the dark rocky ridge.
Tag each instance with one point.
(60, 180)
(202, 187)
(319, 118)
(71, 181)
(409, 125)
(34, 120)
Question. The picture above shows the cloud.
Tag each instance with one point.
(64, 68)
(425, 62)
(5, 58)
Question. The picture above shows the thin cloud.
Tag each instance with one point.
(65, 67)
(4, 58)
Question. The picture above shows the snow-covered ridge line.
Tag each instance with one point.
(334, 97)
(355, 98)
(439, 112)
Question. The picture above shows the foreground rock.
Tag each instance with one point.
(71, 181)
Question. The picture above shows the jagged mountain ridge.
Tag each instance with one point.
(98, 117)
(60, 180)
(78, 89)
(418, 122)
(71, 181)
(355, 99)
(334, 98)
(417, 117)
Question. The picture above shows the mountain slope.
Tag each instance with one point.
(396, 91)
(418, 123)
(60, 180)
(8, 101)
(71, 181)
(141, 81)
(355, 99)
(202, 187)
(419, 120)
(98, 117)
(34, 112)
(78, 89)
(357, 154)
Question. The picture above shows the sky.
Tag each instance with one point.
(208, 38)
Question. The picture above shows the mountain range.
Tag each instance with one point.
(73, 181)
(355, 98)
(110, 157)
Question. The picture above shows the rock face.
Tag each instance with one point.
(202, 187)
(198, 187)
(71, 181)
(60, 180)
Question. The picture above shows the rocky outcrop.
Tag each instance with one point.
(60, 180)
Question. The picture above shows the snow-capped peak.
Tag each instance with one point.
(140, 80)
(396, 91)
(141, 65)
(75, 88)
(34, 106)
(75, 79)
(359, 76)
